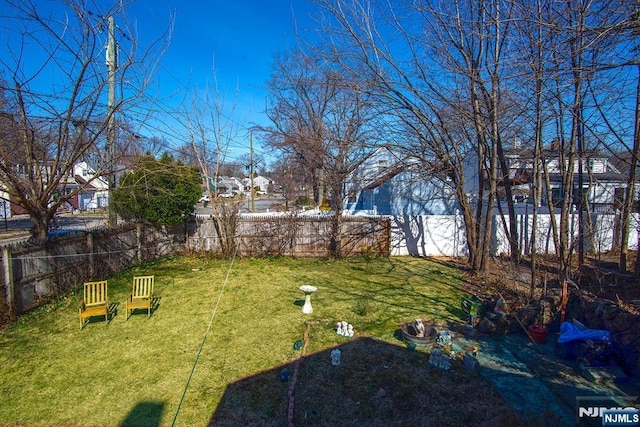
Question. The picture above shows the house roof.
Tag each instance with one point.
(601, 177)
(84, 182)
(386, 176)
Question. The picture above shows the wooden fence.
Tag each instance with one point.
(33, 274)
(291, 235)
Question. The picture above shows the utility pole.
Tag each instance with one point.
(111, 124)
(251, 172)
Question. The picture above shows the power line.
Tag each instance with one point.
(204, 338)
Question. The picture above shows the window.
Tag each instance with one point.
(557, 196)
(618, 198)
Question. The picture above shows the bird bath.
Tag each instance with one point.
(308, 290)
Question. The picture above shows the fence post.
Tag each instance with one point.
(8, 282)
(139, 242)
(90, 249)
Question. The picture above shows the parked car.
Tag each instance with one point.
(226, 195)
(261, 193)
(204, 198)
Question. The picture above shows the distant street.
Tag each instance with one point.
(261, 204)
(17, 228)
(62, 222)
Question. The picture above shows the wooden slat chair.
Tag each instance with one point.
(141, 295)
(95, 302)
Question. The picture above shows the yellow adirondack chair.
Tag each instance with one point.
(141, 295)
(95, 302)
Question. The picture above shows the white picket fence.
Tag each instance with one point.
(444, 235)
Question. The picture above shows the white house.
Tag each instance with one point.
(228, 185)
(261, 182)
(236, 185)
(5, 204)
(603, 183)
(95, 190)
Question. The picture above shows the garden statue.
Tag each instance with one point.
(419, 326)
(335, 357)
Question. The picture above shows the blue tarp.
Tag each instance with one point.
(570, 332)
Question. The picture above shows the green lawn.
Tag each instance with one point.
(136, 372)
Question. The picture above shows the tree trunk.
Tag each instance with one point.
(631, 187)
(40, 226)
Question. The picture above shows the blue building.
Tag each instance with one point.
(388, 184)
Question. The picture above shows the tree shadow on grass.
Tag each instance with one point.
(147, 414)
(376, 383)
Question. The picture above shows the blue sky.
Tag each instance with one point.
(239, 36)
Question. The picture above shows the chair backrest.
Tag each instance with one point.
(142, 286)
(95, 292)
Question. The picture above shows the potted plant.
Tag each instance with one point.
(538, 331)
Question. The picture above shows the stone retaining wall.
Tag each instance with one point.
(593, 312)
(624, 325)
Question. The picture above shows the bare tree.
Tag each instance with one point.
(243, 163)
(55, 84)
(325, 121)
(632, 190)
(626, 30)
(456, 81)
(579, 39)
(535, 35)
(437, 71)
(298, 103)
(212, 128)
(289, 178)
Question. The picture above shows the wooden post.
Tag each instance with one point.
(8, 282)
(139, 242)
(90, 251)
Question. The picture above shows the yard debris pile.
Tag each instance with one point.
(623, 324)
(488, 315)
(600, 358)
(597, 359)
(492, 314)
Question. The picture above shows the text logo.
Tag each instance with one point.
(621, 417)
(619, 410)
